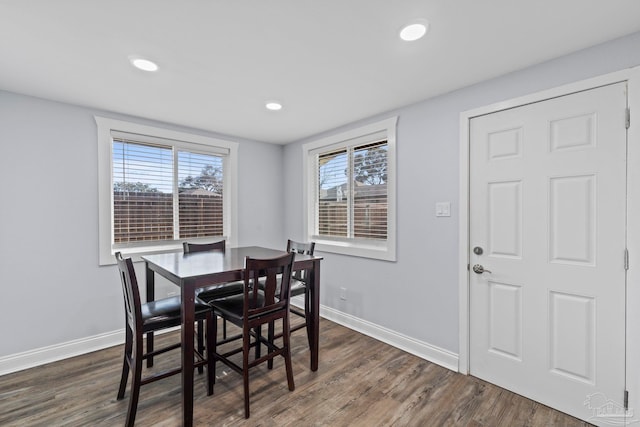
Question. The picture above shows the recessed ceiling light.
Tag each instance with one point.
(273, 106)
(414, 31)
(143, 64)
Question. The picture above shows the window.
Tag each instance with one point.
(350, 190)
(158, 188)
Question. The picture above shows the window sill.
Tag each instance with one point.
(137, 252)
(364, 249)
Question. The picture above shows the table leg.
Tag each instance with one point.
(313, 327)
(188, 319)
(151, 290)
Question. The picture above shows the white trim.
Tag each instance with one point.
(418, 348)
(633, 243)
(53, 353)
(633, 211)
(463, 251)
(607, 79)
(105, 126)
(40, 356)
(378, 250)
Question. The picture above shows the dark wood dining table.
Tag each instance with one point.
(197, 270)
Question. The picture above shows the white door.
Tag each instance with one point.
(548, 220)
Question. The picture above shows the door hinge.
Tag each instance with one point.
(626, 259)
(626, 399)
(627, 120)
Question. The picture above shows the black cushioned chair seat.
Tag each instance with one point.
(221, 291)
(298, 287)
(167, 311)
(233, 306)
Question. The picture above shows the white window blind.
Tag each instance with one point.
(200, 197)
(142, 192)
(352, 192)
(165, 192)
(370, 191)
(333, 189)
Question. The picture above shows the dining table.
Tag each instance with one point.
(197, 270)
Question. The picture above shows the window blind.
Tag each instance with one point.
(142, 192)
(352, 192)
(200, 194)
(333, 200)
(370, 191)
(163, 193)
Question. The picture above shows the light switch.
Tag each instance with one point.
(443, 209)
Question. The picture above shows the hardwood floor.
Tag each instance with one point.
(360, 382)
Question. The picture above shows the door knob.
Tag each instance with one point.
(480, 269)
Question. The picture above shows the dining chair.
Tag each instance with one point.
(141, 318)
(255, 307)
(299, 283)
(298, 287)
(212, 293)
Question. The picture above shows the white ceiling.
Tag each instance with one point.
(330, 62)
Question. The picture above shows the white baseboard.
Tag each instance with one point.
(40, 356)
(418, 348)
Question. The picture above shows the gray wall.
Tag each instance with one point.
(418, 295)
(53, 290)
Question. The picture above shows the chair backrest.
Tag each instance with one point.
(300, 248)
(131, 293)
(202, 247)
(275, 274)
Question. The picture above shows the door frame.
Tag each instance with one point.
(632, 77)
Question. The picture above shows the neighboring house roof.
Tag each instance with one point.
(362, 190)
(199, 192)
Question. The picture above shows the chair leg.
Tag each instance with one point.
(286, 337)
(224, 329)
(270, 334)
(212, 330)
(136, 360)
(307, 306)
(150, 341)
(125, 364)
(246, 338)
(200, 334)
(258, 331)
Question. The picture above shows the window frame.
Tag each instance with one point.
(106, 128)
(366, 248)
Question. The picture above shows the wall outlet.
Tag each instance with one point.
(343, 294)
(443, 209)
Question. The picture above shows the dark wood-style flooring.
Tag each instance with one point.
(360, 382)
